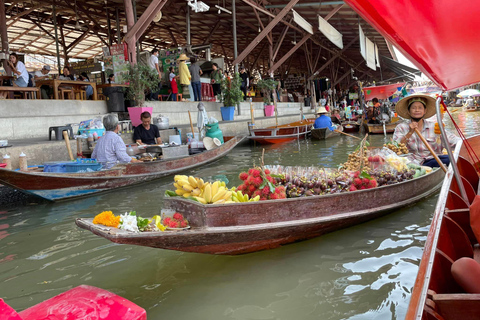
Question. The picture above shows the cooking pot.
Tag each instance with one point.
(161, 122)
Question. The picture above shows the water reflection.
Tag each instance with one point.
(363, 272)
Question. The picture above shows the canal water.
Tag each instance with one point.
(363, 272)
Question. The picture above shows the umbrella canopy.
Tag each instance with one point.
(381, 92)
(469, 92)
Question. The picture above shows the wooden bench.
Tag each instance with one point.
(34, 91)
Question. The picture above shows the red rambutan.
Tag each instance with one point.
(178, 216)
(241, 187)
(255, 173)
(166, 221)
(257, 193)
(184, 224)
(352, 188)
(173, 224)
(274, 196)
(265, 190)
(282, 195)
(357, 181)
(263, 198)
(356, 174)
(267, 171)
(366, 181)
(250, 171)
(363, 188)
(278, 190)
(257, 181)
(252, 188)
(243, 176)
(373, 183)
(270, 179)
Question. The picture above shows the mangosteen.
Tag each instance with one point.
(317, 190)
(323, 186)
(310, 185)
(330, 182)
(309, 193)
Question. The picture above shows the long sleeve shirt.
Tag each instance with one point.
(110, 150)
(415, 145)
(184, 74)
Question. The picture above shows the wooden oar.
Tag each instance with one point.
(67, 142)
(431, 150)
(347, 134)
(191, 124)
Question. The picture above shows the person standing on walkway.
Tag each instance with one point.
(153, 64)
(196, 72)
(216, 79)
(244, 86)
(185, 75)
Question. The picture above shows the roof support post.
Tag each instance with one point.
(265, 31)
(132, 53)
(117, 17)
(289, 53)
(235, 49)
(54, 17)
(4, 35)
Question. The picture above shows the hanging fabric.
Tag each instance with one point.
(363, 51)
(370, 51)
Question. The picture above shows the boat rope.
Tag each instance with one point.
(470, 150)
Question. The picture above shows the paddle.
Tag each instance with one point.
(431, 150)
(67, 142)
(191, 124)
(347, 134)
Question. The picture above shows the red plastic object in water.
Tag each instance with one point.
(84, 302)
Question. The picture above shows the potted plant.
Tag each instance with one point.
(231, 96)
(140, 79)
(267, 86)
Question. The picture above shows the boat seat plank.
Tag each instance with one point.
(453, 241)
(471, 192)
(476, 252)
(459, 306)
(455, 201)
(441, 272)
(467, 170)
(462, 218)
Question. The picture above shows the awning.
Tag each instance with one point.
(440, 37)
(403, 72)
(381, 92)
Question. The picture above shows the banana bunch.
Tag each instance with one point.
(240, 197)
(203, 192)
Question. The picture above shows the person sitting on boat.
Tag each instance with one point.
(111, 149)
(323, 121)
(418, 108)
(146, 133)
(373, 111)
(469, 103)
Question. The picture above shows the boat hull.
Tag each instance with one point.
(54, 187)
(378, 128)
(323, 134)
(350, 127)
(282, 134)
(240, 228)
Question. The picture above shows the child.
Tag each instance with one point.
(173, 84)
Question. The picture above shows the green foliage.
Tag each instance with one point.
(140, 78)
(231, 93)
(267, 86)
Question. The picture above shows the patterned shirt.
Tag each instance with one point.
(110, 150)
(418, 149)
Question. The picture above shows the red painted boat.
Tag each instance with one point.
(80, 303)
(351, 126)
(60, 186)
(240, 228)
(281, 134)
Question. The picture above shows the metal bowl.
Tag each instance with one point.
(146, 154)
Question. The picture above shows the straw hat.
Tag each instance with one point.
(429, 102)
(217, 142)
(208, 143)
(183, 56)
(321, 110)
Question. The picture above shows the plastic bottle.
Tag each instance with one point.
(90, 140)
(130, 151)
(95, 136)
(22, 162)
(8, 161)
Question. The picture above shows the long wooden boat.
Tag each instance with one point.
(351, 126)
(59, 186)
(325, 133)
(80, 303)
(469, 109)
(281, 134)
(240, 228)
(436, 295)
(378, 128)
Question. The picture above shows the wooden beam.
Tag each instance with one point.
(78, 40)
(215, 27)
(345, 75)
(265, 31)
(173, 37)
(147, 17)
(269, 36)
(280, 41)
(335, 10)
(17, 17)
(289, 53)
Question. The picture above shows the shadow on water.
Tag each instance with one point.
(363, 272)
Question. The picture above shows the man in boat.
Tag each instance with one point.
(323, 121)
(146, 133)
(111, 149)
(373, 111)
(417, 108)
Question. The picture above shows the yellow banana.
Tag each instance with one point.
(200, 183)
(196, 192)
(245, 197)
(223, 184)
(181, 182)
(215, 188)
(180, 192)
(187, 194)
(234, 197)
(240, 195)
(187, 187)
(255, 199)
(180, 177)
(201, 200)
(192, 181)
(228, 201)
(219, 201)
(219, 195)
(207, 194)
(176, 185)
(227, 196)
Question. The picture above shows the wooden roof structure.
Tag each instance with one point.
(85, 26)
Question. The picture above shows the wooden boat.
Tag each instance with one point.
(240, 228)
(469, 109)
(351, 126)
(82, 302)
(378, 128)
(325, 133)
(281, 134)
(59, 186)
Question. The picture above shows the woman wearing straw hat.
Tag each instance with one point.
(323, 121)
(185, 75)
(417, 108)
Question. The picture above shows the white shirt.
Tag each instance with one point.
(171, 76)
(21, 68)
(152, 61)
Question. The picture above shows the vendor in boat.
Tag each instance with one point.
(111, 149)
(417, 108)
(146, 133)
(323, 121)
(373, 111)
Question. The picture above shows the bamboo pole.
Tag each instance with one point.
(275, 105)
(67, 142)
(191, 124)
(347, 134)
(440, 163)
